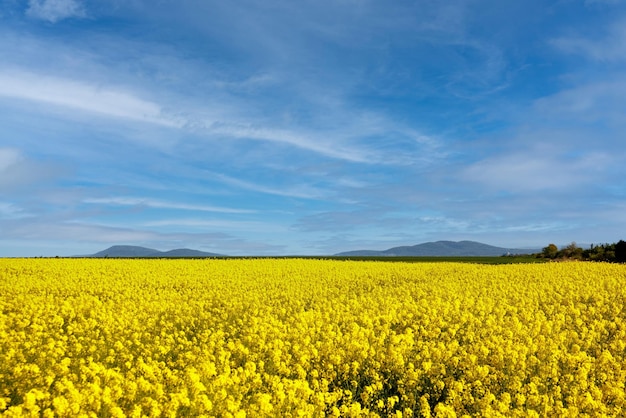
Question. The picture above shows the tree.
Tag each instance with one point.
(620, 251)
(602, 252)
(572, 251)
(550, 251)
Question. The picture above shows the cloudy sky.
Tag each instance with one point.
(262, 127)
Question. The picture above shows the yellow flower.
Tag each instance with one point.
(88, 337)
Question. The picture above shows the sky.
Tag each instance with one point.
(273, 127)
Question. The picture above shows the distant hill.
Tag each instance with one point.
(136, 251)
(441, 249)
(186, 252)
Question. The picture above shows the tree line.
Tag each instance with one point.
(614, 253)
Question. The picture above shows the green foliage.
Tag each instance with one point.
(603, 252)
(572, 251)
(550, 251)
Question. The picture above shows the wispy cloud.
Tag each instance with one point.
(315, 144)
(55, 10)
(379, 218)
(41, 229)
(303, 191)
(219, 224)
(603, 2)
(594, 101)
(160, 204)
(610, 46)
(18, 171)
(345, 144)
(9, 157)
(81, 96)
(533, 170)
(11, 211)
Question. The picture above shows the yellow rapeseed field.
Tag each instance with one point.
(311, 338)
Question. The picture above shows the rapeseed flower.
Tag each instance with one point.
(314, 338)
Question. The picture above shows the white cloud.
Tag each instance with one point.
(535, 227)
(160, 204)
(349, 135)
(344, 143)
(8, 158)
(81, 96)
(55, 10)
(16, 170)
(299, 140)
(219, 224)
(602, 2)
(603, 100)
(303, 192)
(39, 230)
(533, 170)
(610, 48)
(11, 211)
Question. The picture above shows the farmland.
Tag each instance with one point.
(306, 337)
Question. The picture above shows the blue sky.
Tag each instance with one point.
(263, 127)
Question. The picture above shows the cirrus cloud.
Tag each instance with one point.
(55, 10)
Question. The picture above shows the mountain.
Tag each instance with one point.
(186, 252)
(126, 251)
(441, 249)
(136, 251)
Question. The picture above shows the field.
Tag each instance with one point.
(303, 337)
(514, 259)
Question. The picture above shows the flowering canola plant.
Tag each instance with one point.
(310, 338)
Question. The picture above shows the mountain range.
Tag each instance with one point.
(427, 249)
(136, 251)
(441, 249)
